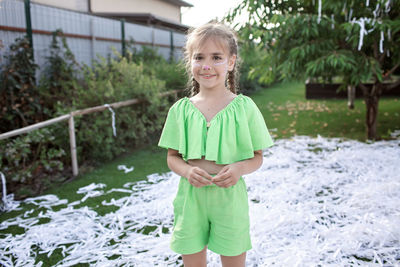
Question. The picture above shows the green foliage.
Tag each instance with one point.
(173, 73)
(348, 39)
(252, 77)
(301, 46)
(19, 101)
(66, 86)
(109, 82)
(59, 74)
(28, 155)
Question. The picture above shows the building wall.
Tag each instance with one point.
(155, 7)
(77, 5)
(88, 37)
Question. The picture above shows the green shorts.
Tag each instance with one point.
(211, 216)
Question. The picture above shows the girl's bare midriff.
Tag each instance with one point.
(209, 166)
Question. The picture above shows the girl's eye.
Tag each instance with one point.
(217, 58)
(198, 58)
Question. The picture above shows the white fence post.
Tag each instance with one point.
(73, 145)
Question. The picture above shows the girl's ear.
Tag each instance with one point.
(231, 62)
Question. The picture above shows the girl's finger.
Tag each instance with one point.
(226, 183)
(221, 177)
(201, 180)
(222, 183)
(196, 183)
(192, 182)
(205, 174)
(223, 170)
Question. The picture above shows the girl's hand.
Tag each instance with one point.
(198, 177)
(228, 176)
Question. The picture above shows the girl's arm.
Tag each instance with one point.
(195, 175)
(230, 174)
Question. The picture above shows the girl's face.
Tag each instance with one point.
(211, 63)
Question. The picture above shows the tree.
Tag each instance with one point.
(356, 40)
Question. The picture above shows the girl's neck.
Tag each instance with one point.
(214, 93)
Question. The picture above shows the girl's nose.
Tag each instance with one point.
(206, 67)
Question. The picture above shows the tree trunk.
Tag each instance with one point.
(371, 102)
(351, 94)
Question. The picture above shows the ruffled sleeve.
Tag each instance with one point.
(170, 133)
(259, 133)
(232, 135)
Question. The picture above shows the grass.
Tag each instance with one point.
(147, 160)
(286, 112)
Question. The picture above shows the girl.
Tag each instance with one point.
(213, 138)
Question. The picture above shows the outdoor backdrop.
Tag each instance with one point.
(88, 36)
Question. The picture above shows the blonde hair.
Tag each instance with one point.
(196, 37)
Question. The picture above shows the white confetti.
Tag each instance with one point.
(313, 202)
(125, 169)
(381, 42)
(361, 22)
(319, 10)
(376, 11)
(387, 6)
(350, 13)
(113, 118)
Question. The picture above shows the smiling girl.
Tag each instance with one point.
(213, 138)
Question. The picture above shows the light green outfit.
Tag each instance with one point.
(211, 215)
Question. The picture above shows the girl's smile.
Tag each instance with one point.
(207, 76)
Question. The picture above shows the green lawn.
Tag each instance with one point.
(147, 160)
(287, 113)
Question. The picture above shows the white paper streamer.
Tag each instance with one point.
(313, 202)
(8, 200)
(387, 6)
(113, 118)
(319, 10)
(376, 11)
(361, 23)
(381, 42)
(3, 181)
(350, 13)
(333, 21)
(367, 3)
(6, 204)
(125, 169)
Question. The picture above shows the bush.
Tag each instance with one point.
(114, 81)
(173, 73)
(28, 161)
(19, 97)
(59, 75)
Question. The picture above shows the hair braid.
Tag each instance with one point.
(232, 81)
(195, 87)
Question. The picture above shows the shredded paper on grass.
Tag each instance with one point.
(314, 202)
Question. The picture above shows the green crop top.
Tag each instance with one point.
(232, 135)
